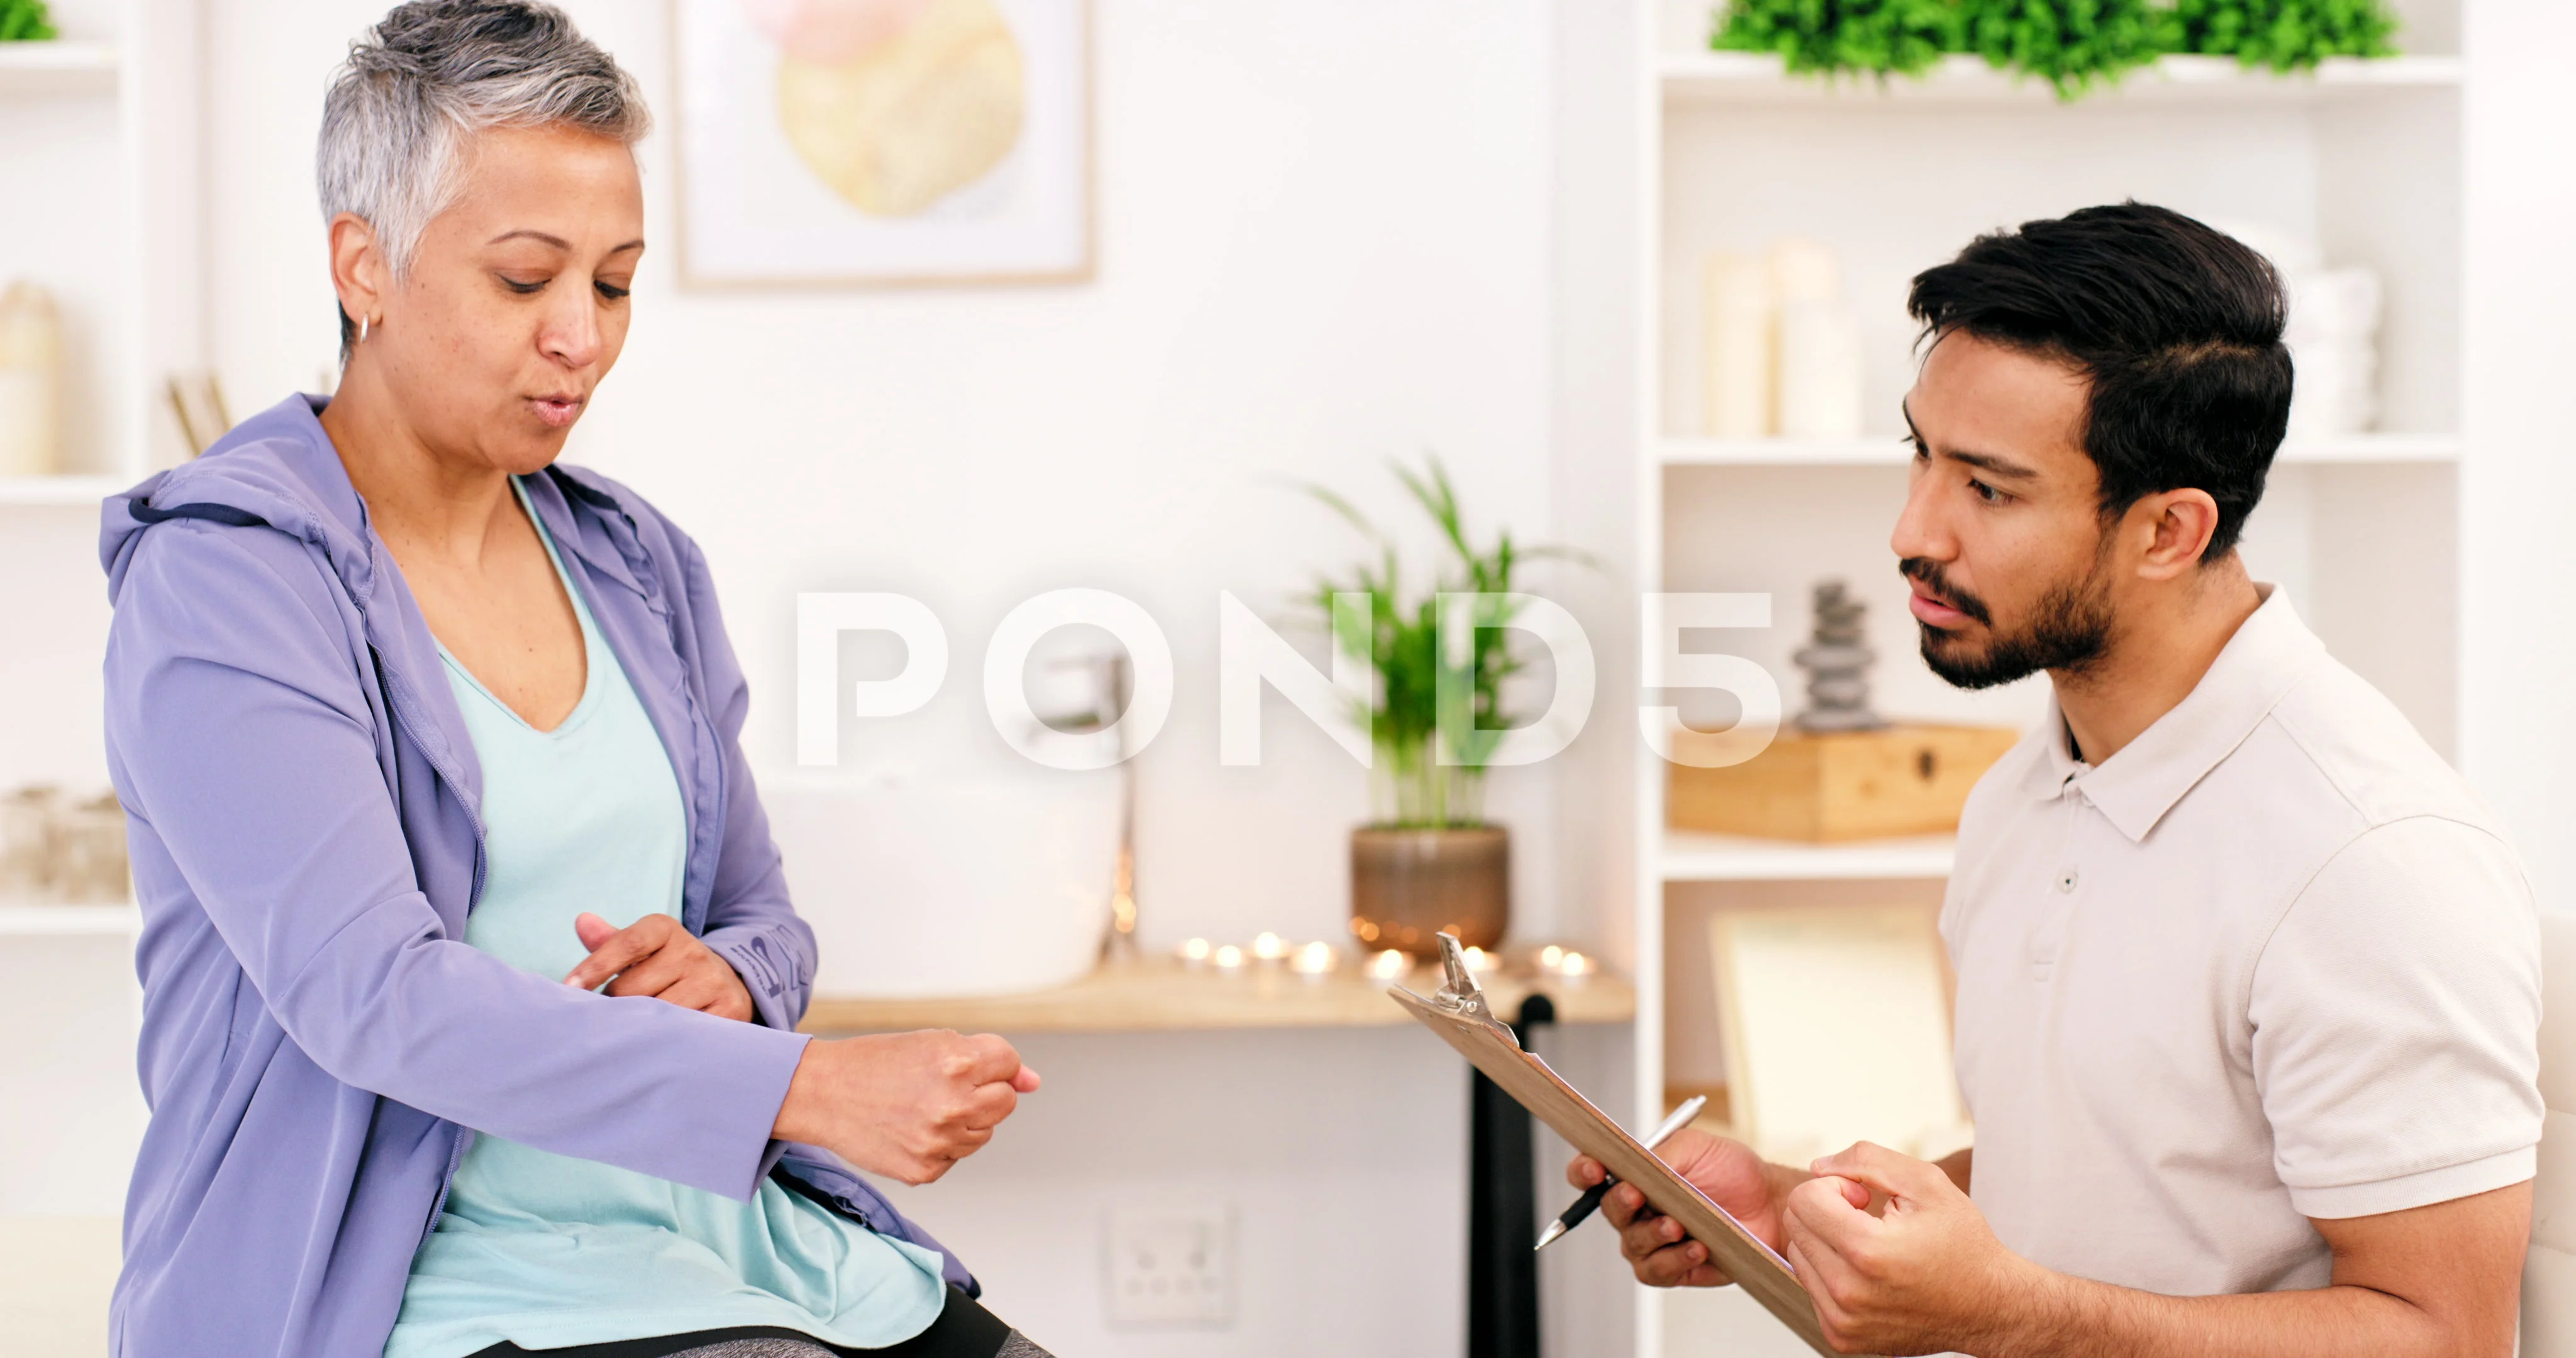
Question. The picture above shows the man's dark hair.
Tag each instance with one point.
(2175, 326)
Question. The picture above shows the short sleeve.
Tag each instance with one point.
(2396, 1017)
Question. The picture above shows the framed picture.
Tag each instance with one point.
(884, 142)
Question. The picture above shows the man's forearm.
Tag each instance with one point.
(2069, 1317)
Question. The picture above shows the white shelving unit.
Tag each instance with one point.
(1713, 151)
(2353, 450)
(1753, 78)
(99, 173)
(62, 921)
(99, 166)
(1689, 856)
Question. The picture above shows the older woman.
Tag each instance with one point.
(470, 979)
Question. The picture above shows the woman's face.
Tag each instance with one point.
(516, 305)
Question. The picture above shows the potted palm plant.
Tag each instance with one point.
(1428, 861)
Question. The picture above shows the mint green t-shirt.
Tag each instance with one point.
(544, 1250)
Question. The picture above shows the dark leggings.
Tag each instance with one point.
(964, 1329)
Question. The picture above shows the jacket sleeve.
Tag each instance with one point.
(243, 733)
(750, 922)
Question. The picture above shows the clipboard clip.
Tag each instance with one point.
(1460, 995)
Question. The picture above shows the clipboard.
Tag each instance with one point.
(1459, 1014)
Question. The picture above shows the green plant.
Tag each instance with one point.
(2285, 35)
(1871, 37)
(1417, 683)
(2072, 44)
(24, 21)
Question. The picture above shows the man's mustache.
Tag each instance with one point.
(1928, 572)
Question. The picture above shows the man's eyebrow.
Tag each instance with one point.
(2001, 467)
(557, 242)
(1991, 465)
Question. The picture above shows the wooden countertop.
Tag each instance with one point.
(1160, 994)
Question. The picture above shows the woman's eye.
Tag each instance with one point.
(611, 291)
(523, 288)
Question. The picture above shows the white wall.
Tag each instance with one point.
(2517, 633)
(1323, 243)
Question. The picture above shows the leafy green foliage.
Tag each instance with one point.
(25, 21)
(2285, 35)
(2072, 44)
(1418, 683)
(2075, 45)
(1871, 37)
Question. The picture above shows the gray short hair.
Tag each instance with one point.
(432, 72)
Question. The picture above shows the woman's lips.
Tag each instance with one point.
(556, 411)
(1934, 613)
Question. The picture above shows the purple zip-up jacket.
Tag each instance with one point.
(302, 802)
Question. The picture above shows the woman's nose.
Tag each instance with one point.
(571, 333)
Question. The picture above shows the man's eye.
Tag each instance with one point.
(1985, 492)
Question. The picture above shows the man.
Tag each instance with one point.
(2248, 983)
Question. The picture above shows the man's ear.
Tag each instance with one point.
(358, 270)
(2177, 526)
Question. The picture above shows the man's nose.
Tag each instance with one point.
(1919, 531)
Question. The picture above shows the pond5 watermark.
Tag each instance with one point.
(1251, 655)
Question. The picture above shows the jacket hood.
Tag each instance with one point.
(276, 470)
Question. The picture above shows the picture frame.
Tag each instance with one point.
(883, 143)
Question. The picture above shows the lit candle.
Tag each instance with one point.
(1315, 961)
(1551, 957)
(1573, 964)
(1229, 958)
(1269, 947)
(1390, 965)
(1478, 959)
(1194, 953)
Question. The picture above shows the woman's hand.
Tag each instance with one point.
(1752, 1191)
(659, 957)
(904, 1105)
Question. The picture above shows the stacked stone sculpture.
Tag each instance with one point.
(1837, 663)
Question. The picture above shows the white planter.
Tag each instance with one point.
(922, 887)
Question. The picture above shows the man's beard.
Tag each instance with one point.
(2070, 628)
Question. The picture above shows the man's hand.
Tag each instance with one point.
(659, 957)
(904, 1105)
(1728, 1171)
(1923, 1275)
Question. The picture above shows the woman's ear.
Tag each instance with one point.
(358, 270)
(2183, 522)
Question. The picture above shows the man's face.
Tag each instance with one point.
(2002, 538)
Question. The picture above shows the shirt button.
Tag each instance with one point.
(2066, 880)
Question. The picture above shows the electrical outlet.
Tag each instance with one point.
(1171, 1268)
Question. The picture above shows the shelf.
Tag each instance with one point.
(1756, 78)
(1162, 995)
(1887, 450)
(84, 491)
(1689, 856)
(52, 67)
(69, 920)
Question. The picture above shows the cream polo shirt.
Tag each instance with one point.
(2271, 961)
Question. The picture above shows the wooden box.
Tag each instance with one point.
(1842, 785)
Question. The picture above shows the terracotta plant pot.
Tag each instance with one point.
(1407, 886)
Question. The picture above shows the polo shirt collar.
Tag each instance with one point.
(2136, 787)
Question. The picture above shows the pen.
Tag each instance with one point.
(1591, 1200)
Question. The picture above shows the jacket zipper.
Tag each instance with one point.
(408, 721)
